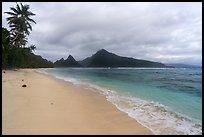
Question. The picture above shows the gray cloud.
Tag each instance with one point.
(164, 32)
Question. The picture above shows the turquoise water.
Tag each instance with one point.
(167, 101)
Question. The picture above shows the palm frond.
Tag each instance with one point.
(14, 10)
(29, 26)
(30, 14)
(18, 8)
(11, 13)
(29, 19)
(10, 19)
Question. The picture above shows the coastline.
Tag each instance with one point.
(53, 106)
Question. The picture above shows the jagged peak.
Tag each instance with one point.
(102, 50)
(62, 59)
(70, 57)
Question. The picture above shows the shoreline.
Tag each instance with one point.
(52, 106)
(153, 118)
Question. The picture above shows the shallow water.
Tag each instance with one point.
(167, 101)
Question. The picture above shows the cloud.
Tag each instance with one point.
(164, 32)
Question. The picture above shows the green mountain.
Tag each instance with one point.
(69, 62)
(103, 58)
(36, 61)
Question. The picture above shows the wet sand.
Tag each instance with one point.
(52, 106)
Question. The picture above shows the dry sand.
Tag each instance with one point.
(51, 106)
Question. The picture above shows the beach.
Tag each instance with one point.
(52, 106)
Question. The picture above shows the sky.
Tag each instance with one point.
(162, 32)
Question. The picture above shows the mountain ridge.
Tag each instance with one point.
(103, 58)
(69, 62)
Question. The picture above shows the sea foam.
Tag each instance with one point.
(153, 115)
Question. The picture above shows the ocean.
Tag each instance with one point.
(165, 100)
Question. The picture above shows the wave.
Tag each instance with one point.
(155, 116)
(158, 118)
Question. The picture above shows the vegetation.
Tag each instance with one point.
(19, 22)
(15, 54)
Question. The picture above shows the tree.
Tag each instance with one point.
(19, 22)
(18, 40)
(32, 47)
(15, 54)
(5, 47)
(5, 39)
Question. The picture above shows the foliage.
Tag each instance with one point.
(15, 54)
(19, 22)
(15, 57)
(5, 47)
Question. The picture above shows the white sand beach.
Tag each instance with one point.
(52, 106)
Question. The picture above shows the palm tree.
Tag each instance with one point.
(19, 22)
(18, 39)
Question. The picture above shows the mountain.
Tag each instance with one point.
(103, 58)
(69, 62)
(36, 61)
(179, 65)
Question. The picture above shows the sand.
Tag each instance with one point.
(52, 106)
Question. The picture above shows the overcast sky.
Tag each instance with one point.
(163, 32)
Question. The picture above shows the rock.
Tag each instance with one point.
(22, 79)
(24, 85)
